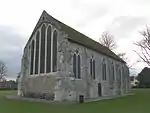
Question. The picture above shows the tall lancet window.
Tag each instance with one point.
(92, 68)
(77, 66)
(113, 72)
(37, 53)
(104, 70)
(32, 57)
(42, 53)
(54, 51)
(48, 59)
(74, 65)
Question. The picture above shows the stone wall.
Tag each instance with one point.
(63, 84)
(86, 85)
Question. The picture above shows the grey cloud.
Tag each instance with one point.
(142, 1)
(90, 12)
(126, 25)
(11, 49)
(93, 13)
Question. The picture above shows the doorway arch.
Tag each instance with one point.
(99, 90)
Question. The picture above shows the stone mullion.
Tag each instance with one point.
(45, 49)
(52, 38)
(39, 51)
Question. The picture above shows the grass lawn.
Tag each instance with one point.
(138, 103)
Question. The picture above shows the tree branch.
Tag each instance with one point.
(107, 40)
(144, 44)
(146, 61)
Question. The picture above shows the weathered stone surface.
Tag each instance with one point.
(63, 84)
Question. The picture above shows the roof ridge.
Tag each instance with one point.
(76, 36)
(104, 47)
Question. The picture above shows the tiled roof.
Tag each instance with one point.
(76, 36)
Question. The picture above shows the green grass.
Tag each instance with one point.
(138, 103)
(7, 92)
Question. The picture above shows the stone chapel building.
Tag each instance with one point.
(60, 61)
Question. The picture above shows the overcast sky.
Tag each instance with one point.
(122, 18)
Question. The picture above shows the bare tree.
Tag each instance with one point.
(108, 40)
(124, 57)
(144, 45)
(3, 71)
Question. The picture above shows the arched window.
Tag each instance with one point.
(32, 57)
(92, 68)
(119, 76)
(120, 73)
(37, 53)
(48, 58)
(54, 51)
(104, 70)
(77, 66)
(42, 53)
(113, 72)
(79, 71)
(74, 65)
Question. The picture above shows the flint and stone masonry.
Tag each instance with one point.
(63, 62)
